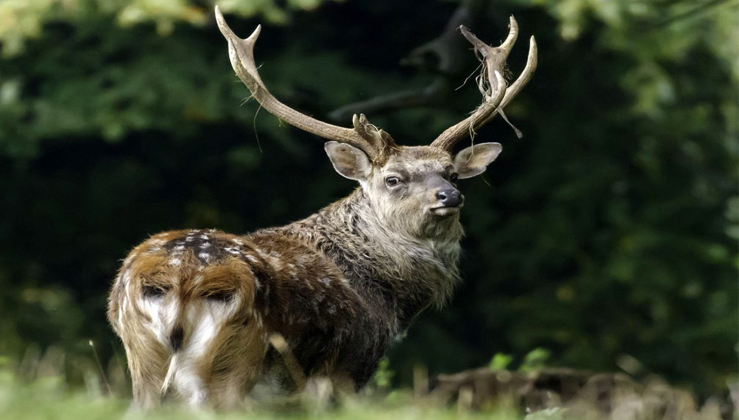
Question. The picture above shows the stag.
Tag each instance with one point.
(195, 309)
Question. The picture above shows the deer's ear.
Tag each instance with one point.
(348, 161)
(473, 160)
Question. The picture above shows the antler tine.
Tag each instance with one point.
(241, 55)
(531, 62)
(453, 134)
(380, 139)
(496, 94)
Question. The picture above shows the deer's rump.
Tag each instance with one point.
(213, 300)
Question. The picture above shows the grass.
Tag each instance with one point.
(50, 399)
(48, 395)
(36, 390)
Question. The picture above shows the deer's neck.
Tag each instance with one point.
(396, 271)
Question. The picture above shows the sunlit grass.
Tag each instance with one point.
(49, 395)
(49, 398)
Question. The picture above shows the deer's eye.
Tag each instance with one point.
(154, 291)
(454, 177)
(223, 296)
(392, 181)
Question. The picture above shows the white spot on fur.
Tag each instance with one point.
(291, 270)
(232, 251)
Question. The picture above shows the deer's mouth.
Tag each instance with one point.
(446, 210)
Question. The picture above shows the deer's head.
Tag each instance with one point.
(412, 188)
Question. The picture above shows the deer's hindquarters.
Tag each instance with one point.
(184, 307)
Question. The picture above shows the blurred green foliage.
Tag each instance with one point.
(608, 233)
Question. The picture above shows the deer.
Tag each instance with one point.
(197, 310)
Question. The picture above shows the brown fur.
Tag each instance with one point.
(339, 286)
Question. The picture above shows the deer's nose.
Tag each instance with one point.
(449, 197)
(176, 338)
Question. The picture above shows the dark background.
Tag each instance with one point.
(607, 235)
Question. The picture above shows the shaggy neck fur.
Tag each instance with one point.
(398, 269)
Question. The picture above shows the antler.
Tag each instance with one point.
(376, 143)
(496, 94)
